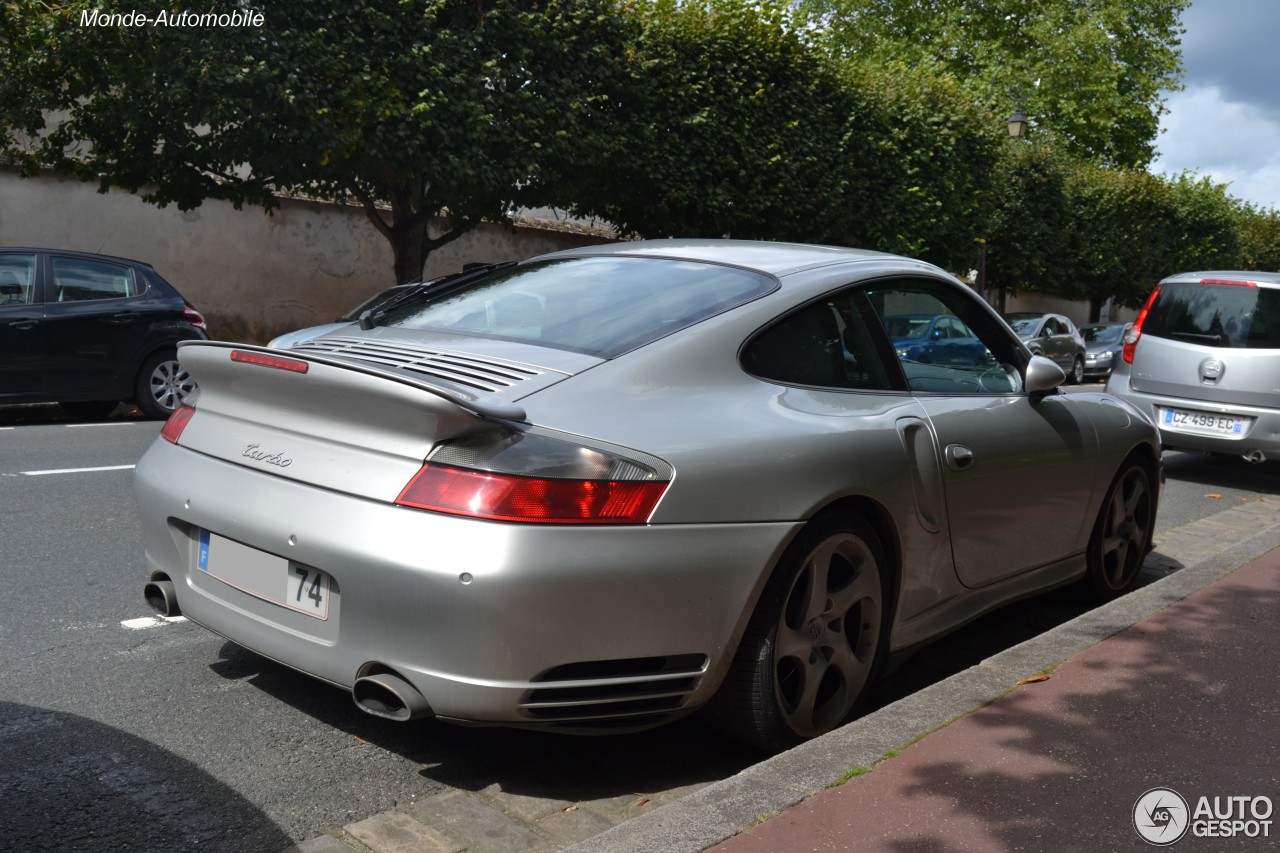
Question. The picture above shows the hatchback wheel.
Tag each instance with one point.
(162, 385)
(1122, 533)
(1077, 371)
(815, 642)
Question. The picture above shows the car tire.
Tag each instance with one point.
(1122, 533)
(89, 410)
(816, 641)
(1076, 376)
(162, 385)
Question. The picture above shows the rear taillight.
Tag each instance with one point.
(177, 422)
(194, 317)
(503, 497)
(538, 479)
(1135, 331)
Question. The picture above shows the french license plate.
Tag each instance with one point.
(275, 579)
(1206, 423)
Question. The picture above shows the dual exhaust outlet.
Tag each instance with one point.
(382, 693)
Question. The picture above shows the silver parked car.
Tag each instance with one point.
(1203, 360)
(1055, 337)
(604, 487)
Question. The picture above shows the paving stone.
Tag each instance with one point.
(566, 826)
(394, 832)
(472, 820)
(522, 806)
(320, 844)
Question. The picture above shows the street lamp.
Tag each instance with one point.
(1018, 124)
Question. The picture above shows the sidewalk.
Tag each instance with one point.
(1176, 685)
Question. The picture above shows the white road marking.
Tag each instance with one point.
(151, 622)
(76, 470)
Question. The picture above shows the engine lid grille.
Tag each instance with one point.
(481, 373)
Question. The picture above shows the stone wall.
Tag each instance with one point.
(251, 274)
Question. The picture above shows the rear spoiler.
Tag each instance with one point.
(484, 405)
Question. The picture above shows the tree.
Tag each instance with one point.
(1102, 66)
(414, 109)
(734, 123)
(1259, 237)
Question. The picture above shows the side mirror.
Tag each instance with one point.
(1043, 375)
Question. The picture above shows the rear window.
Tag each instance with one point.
(1218, 315)
(602, 306)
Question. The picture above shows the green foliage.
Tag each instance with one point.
(457, 107)
(1259, 230)
(734, 124)
(1028, 246)
(1092, 71)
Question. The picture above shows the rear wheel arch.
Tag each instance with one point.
(754, 702)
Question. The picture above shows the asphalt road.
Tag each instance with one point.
(119, 731)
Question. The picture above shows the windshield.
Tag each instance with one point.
(1026, 328)
(1222, 315)
(1102, 334)
(602, 306)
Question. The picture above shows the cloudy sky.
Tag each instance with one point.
(1226, 123)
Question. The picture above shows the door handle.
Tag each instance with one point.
(959, 457)
(121, 319)
(23, 325)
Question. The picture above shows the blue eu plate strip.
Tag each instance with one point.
(203, 560)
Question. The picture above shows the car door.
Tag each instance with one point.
(22, 333)
(1016, 468)
(93, 329)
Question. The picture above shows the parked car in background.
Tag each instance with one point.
(598, 489)
(1102, 345)
(1203, 360)
(380, 298)
(90, 331)
(1054, 337)
(935, 339)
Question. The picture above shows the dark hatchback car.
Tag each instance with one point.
(90, 331)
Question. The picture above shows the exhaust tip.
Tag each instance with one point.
(1254, 457)
(390, 697)
(162, 598)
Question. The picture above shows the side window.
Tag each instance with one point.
(981, 359)
(1053, 326)
(79, 280)
(17, 279)
(827, 344)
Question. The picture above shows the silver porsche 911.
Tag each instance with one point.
(601, 488)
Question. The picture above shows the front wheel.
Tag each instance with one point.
(816, 641)
(162, 385)
(1122, 533)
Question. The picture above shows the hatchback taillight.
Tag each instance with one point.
(1135, 331)
(194, 317)
(172, 429)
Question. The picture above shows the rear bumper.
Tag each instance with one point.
(1261, 431)
(473, 614)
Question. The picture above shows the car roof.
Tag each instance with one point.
(1255, 276)
(773, 258)
(15, 250)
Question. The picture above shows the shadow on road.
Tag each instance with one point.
(110, 791)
